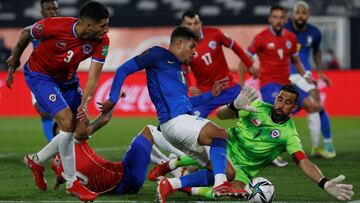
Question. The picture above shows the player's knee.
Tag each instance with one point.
(65, 120)
(146, 132)
(310, 105)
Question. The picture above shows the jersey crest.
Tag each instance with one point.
(288, 44)
(87, 48)
(212, 44)
(275, 133)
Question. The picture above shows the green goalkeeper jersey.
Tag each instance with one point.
(256, 140)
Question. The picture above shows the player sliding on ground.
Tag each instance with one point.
(257, 139)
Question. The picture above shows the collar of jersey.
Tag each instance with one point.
(273, 32)
(73, 29)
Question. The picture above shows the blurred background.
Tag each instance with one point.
(136, 25)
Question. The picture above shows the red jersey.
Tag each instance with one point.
(97, 174)
(60, 51)
(274, 53)
(209, 62)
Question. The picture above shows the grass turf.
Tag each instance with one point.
(24, 135)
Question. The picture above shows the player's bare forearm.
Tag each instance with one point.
(242, 72)
(224, 112)
(22, 43)
(310, 170)
(100, 121)
(92, 82)
(317, 59)
(298, 65)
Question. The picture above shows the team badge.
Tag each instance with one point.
(212, 45)
(86, 48)
(288, 44)
(271, 45)
(61, 45)
(52, 97)
(275, 133)
(309, 40)
(255, 121)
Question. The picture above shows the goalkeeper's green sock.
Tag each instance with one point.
(182, 161)
(202, 191)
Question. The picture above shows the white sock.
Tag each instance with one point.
(49, 151)
(220, 178)
(195, 190)
(163, 143)
(157, 156)
(314, 125)
(67, 154)
(175, 183)
(172, 164)
(177, 172)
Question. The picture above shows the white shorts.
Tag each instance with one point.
(301, 82)
(183, 133)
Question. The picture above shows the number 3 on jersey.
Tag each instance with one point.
(207, 58)
(69, 56)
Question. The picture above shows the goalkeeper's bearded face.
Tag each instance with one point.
(285, 103)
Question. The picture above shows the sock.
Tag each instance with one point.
(175, 183)
(50, 150)
(202, 191)
(47, 125)
(218, 160)
(67, 154)
(325, 124)
(313, 121)
(200, 178)
(157, 156)
(164, 144)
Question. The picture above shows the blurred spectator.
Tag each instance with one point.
(4, 55)
(330, 61)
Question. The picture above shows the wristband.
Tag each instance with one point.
(322, 182)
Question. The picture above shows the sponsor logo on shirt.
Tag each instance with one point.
(275, 133)
(288, 44)
(86, 48)
(61, 45)
(271, 45)
(170, 62)
(52, 97)
(255, 121)
(212, 45)
(309, 40)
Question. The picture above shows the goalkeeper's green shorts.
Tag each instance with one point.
(242, 176)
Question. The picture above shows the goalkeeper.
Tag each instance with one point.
(262, 132)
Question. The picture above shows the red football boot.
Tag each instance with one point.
(158, 171)
(227, 189)
(164, 189)
(37, 172)
(81, 192)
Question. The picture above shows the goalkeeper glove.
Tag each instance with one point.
(338, 190)
(247, 95)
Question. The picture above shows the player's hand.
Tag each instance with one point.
(338, 190)
(194, 91)
(219, 86)
(106, 106)
(82, 114)
(247, 95)
(325, 79)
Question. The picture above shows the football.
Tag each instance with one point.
(260, 190)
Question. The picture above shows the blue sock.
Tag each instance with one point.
(47, 125)
(218, 155)
(325, 124)
(198, 179)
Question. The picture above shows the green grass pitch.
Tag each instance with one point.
(20, 136)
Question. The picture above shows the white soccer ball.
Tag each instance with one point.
(260, 190)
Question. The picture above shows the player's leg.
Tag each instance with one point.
(225, 97)
(325, 124)
(161, 141)
(46, 119)
(136, 162)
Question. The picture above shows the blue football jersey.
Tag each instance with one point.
(165, 81)
(308, 40)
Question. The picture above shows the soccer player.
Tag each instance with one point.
(259, 137)
(309, 38)
(51, 76)
(276, 47)
(49, 8)
(209, 63)
(168, 91)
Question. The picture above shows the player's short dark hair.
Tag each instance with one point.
(278, 7)
(183, 32)
(291, 89)
(190, 14)
(94, 10)
(43, 1)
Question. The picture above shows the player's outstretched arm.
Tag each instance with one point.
(14, 60)
(334, 186)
